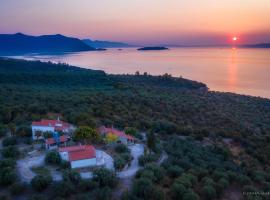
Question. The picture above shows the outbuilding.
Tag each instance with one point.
(79, 156)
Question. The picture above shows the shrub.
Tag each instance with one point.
(87, 185)
(143, 188)
(146, 174)
(243, 179)
(9, 141)
(7, 163)
(41, 182)
(3, 131)
(157, 171)
(24, 132)
(71, 176)
(134, 132)
(249, 188)
(102, 193)
(126, 156)
(4, 197)
(119, 162)
(105, 177)
(65, 164)
(10, 152)
(17, 188)
(223, 183)
(209, 192)
(190, 195)
(53, 157)
(258, 176)
(121, 148)
(147, 158)
(7, 176)
(174, 171)
(178, 191)
(208, 181)
(63, 189)
(37, 197)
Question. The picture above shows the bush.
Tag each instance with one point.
(147, 158)
(119, 162)
(7, 163)
(72, 176)
(190, 195)
(121, 148)
(102, 193)
(249, 188)
(10, 152)
(174, 171)
(87, 185)
(24, 132)
(7, 176)
(4, 197)
(133, 132)
(105, 177)
(243, 179)
(65, 164)
(157, 171)
(63, 189)
(3, 131)
(17, 188)
(222, 184)
(40, 182)
(38, 197)
(143, 188)
(9, 141)
(209, 192)
(53, 157)
(178, 191)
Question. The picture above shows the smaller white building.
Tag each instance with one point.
(79, 156)
(40, 127)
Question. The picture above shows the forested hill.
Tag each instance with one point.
(31, 89)
(40, 73)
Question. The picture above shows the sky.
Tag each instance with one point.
(142, 22)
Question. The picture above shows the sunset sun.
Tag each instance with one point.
(234, 38)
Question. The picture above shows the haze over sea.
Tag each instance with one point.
(243, 71)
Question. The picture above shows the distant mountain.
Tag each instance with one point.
(261, 45)
(105, 44)
(152, 48)
(12, 44)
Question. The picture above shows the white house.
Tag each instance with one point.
(79, 156)
(122, 137)
(40, 127)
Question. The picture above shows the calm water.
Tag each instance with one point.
(243, 71)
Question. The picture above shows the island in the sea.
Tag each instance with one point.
(152, 48)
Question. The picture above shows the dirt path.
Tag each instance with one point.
(24, 167)
(162, 158)
(136, 151)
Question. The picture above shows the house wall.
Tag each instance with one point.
(42, 129)
(83, 163)
(64, 155)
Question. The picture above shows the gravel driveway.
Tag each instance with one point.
(136, 151)
(24, 167)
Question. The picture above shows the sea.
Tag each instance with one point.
(238, 70)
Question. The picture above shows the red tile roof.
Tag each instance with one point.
(57, 124)
(79, 152)
(103, 129)
(51, 141)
